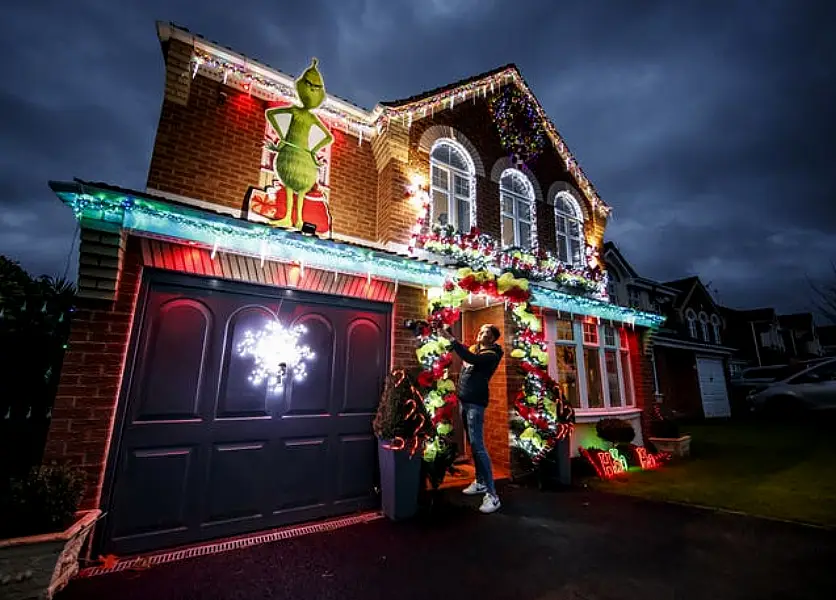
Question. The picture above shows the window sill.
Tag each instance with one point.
(595, 414)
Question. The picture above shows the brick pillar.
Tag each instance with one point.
(640, 345)
(395, 214)
(410, 303)
(178, 71)
(100, 253)
(91, 377)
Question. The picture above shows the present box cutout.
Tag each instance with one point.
(270, 204)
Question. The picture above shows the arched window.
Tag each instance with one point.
(715, 325)
(704, 327)
(452, 174)
(517, 198)
(691, 316)
(570, 246)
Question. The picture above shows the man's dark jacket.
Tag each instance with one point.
(481, 363)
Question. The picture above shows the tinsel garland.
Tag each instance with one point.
(541, 414)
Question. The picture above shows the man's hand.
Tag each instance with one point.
(447, 333)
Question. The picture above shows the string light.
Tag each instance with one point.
(276, 351)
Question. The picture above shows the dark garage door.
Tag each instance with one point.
(201, 452)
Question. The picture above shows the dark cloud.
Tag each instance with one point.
(706, 125)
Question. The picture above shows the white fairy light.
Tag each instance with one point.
(276, 351)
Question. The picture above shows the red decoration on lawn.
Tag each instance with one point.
(609, 463)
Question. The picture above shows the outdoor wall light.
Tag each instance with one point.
(309, 228)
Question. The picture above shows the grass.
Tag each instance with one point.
(784, 471)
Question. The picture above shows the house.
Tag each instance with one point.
(827, 339)
(232, 337)
(801, 338)
(756, 335)
(689, 352)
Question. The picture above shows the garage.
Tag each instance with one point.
(202, 449)
(713, 389)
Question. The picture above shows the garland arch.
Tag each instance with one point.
(541, 415)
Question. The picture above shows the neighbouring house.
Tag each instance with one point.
(689, 353)
(801, 337)
(827, 339)
(191, 292)
(757, 337)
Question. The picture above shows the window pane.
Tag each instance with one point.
(524, 210)
(574, 228)
(440, 207)
(442, 153)
(611, 360)
(439, 177)
(590, 333)
(609, 336)
(567, 373)
(462, 185)
(562, 248)
(593, 377)
(576, 251)
(508, 231)
(464, 215)
(457, 160)
(525, 235)
(565, 330)
(561, 225)
(507, 204)
(628, 379)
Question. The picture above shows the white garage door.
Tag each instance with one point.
(715, 398)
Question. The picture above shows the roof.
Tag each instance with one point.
(797, 321)
(450, 86)
(631, 272)
(682, 285)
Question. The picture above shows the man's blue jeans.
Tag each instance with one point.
(473, 416)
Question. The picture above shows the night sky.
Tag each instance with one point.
(708, 126)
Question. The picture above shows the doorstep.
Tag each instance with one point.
(145, 561)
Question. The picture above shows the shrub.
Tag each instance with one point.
(395, 416)
(615, 431)
(43, 502)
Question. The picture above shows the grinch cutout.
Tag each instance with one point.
(301, 137)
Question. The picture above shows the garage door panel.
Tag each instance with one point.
(365, 364)
(712, 380)
(238, 396)
(165, 473)
(236, 481)
(173, 366)
(357, 460)
(313, 394)
(300, 477)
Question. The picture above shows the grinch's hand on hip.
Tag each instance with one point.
(315, 160)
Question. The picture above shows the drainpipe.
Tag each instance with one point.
(656, 394)
(755, 339)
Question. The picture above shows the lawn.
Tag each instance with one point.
(771, 470)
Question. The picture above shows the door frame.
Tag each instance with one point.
(153, 276)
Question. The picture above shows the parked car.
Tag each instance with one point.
(810, 389)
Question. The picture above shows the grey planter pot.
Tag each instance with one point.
(400, 481)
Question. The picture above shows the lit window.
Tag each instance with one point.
(570, 246)
(565, 330)
(715, 325)
(517, 198)
(691, 316)
(609, 336)
(590, 334)
(452, 177)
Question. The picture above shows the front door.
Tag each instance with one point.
(204, 450)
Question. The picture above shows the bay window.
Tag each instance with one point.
(591, 363)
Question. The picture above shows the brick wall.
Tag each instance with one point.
(640, 347)
(209, 147)
(410, 303)
(679, 381)
(82, 417)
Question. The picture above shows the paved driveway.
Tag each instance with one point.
(541, 546)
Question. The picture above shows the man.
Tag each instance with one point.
(481, 361)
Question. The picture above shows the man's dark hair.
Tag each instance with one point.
(494, 332)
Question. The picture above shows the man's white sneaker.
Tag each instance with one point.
(490, 503)
(474, 489)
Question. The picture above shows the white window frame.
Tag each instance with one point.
(691, 317)
(715, 325)
(573, 215)
(450, 192)
(516, 219)
(706, 337)
(620, 347)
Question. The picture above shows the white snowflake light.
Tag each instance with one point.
(276, 351)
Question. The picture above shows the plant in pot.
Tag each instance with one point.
(401, 425)
(41, 531)
(619, 434)
(665, 434)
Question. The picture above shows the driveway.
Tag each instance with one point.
(540, 546)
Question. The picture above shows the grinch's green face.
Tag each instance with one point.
(310, 87)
